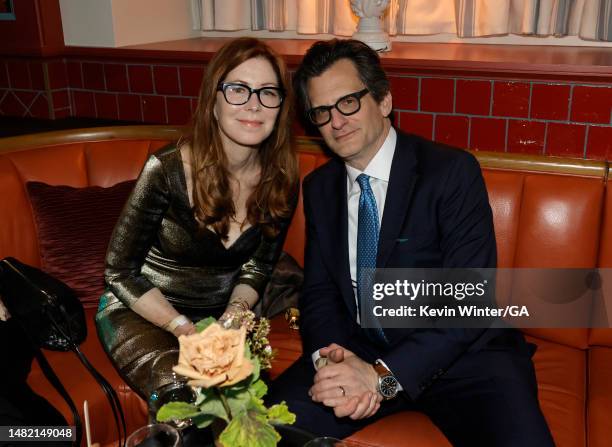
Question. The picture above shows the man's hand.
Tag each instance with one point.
(346, 383)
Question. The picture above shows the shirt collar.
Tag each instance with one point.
(380, 166)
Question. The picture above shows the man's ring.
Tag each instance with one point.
(343, 391)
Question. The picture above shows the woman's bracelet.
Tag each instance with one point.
(241, 303)
(177, 321)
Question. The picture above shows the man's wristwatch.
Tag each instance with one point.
(387, 383)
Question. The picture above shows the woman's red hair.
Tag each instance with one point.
(272, 200)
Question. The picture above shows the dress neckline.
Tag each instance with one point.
(187, 204)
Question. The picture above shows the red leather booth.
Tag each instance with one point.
(548, 212)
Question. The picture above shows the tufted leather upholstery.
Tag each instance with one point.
(548, 213)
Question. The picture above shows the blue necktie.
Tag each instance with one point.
(367, 248)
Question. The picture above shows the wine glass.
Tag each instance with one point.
(155, 435)
(168, 386)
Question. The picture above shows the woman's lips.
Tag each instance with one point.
(250, 123)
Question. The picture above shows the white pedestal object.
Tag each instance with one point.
(370, 30)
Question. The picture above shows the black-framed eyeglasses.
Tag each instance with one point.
(237, 94)
(347, 105)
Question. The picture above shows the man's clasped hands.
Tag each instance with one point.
(346, 383)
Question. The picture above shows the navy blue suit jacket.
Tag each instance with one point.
(436, 214)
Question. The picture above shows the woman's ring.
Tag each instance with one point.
(342, 389)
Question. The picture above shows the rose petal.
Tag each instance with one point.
(240, 374)
(215, 356)
(240, 354)
(206, 383)
(187, 372)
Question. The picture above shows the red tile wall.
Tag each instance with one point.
(568, 119)
(35, 88)
(506, 115)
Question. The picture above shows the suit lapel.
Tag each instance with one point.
(402, 180)
(336, 217)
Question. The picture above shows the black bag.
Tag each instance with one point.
(283, 289)
(53, 317)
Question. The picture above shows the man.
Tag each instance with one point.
(391, 200)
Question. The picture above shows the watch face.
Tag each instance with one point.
(388, 386)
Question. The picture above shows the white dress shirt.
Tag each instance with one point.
(378, 170)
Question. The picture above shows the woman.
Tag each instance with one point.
(205, 224)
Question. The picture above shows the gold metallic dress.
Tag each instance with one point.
(156, 243)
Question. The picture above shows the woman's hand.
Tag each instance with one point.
(228, 319)
(185, 329)
(233, 308)
(227, 315)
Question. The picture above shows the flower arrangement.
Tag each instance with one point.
(223, 364)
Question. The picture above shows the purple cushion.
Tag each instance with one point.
(74, 226)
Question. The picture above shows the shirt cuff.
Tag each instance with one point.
(399, 385)
(315, 356)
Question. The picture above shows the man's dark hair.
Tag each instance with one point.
(322, 55)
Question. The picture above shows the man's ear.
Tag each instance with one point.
(386, 105)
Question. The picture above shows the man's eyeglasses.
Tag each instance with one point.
(238, 94)
(347, 105)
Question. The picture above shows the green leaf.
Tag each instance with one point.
(259, 389)
(249, 430)
(238, 400)
(203, 394)
(203, 420)
(280, 414)
(256, 369)
(214, 407)
(257, 405)
(203, 324)
(176, 411)
(256, 365)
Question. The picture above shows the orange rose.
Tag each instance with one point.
(214, 357)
